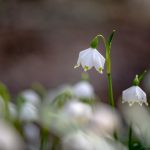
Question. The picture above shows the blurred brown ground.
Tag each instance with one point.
(40, 40)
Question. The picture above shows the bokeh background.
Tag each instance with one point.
(40, 41)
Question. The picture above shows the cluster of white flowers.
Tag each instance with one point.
(92, 58)
(71, 114)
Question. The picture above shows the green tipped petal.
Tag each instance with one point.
(86, 68)
(100, 70)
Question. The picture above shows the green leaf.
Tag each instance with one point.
(94, 42)
(39, 89)
(4, 93)
(109, 41)
(141, 76)
(138, 78)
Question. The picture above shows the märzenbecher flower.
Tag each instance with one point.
(134, 94)
(91, 58)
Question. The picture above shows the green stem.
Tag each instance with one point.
(109, 77)
(55, 143)
(107, 45)
(130, 138)
(110, 90)
(44, 139)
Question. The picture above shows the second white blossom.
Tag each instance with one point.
(134, 94)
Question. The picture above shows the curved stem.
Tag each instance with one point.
(108, 67)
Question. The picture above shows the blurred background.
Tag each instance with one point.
(40, 41)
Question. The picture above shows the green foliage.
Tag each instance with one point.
(39, 89)
(4, 93)
(138, 78)
(61, 99)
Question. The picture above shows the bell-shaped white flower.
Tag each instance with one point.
(91, 58)
(134, 94)
(77, 110)
(29, 112)
(31, 97)
(83, 89)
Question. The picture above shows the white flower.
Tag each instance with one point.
(31, 96)
(9, 138)
(29, 112)
(91, 58)
(77, 141)
(134, 94)
(81, 140)
(104, 120)
(83, 89)
(77, 110)
(139, 126)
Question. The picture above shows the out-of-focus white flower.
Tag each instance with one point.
(146, 82)
(102, 143)
(104, 120)
(29, 112)
(9, 139)
(54, 119)
(72, 116)
(84, 141)
(32, 133)
(77, 141)
(77, 111)
(31, 96)
(139, 118)
(64, 89)
(134, 94)
(83, 89)
(91, 58)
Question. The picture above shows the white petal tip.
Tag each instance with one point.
(131, 103)
(76, 66)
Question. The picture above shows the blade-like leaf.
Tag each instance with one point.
(141, 76)
(109, 41)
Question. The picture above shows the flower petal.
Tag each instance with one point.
(98, 61)
(86, 60)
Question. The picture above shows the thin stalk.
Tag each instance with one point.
(55, 143)
(107, 45)
(110, 90)
(130, 138)
(44, 139)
